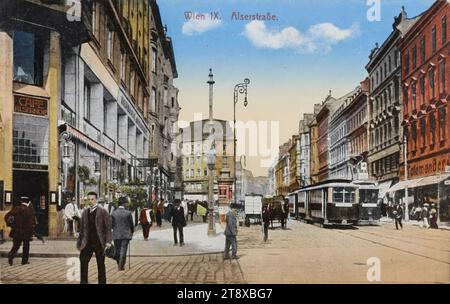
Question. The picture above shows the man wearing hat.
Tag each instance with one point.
(123, 229)
(433, 217)
(426, 216)
(22, 222)
(398, 213)
(94, 237)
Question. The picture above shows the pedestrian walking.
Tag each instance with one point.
(398, 216)
(178, 222)
(159, 207)
(426, 216)
(72, 216)
(433, 217)
(266, 222)
(230, 235)
(146, 221)
(95, 236)
(123, 229)
(22, 222)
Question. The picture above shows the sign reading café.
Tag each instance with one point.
(30, 105)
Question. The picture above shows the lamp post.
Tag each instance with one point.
(240, 88)
(405, 149)
(211, 158)
(66, 137)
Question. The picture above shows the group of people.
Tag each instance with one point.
(427, 214)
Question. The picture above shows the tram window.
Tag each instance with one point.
(349, 195)
(338, 195)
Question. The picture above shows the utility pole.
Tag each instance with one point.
(211, 159)
(405, 148)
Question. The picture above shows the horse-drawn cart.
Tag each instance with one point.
(278, 209)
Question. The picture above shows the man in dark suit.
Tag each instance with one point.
(123, 229)
(95, 236)
(22, 222)
(230, 235)
(178, 222)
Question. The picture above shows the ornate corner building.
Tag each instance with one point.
(86, 95)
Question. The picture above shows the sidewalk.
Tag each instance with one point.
(160, 243)
(442, 226)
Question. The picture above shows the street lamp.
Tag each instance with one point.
(240, 88)
(211, 161)
(66, 137)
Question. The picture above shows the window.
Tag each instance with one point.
(105, 116)
(110, 46)
(442, 124)
(28, 58)
(122, 64)
(423, 128)
(422, 50)
(414, 57)
(433, 39)
(407, 62)
(154, 58)
(153, 101)
(381, 73)
(397, 58)
(431, 81)
(87, 99)
(173, 102)
(422, 90)
(94, 19)
(385, 70)
(442, 77)
(165, 96)
(405, 98)
(414, 134)
(390, 64)
(413, 93)
(444, 30)
(432, 128)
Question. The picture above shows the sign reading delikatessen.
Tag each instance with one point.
(30, 105)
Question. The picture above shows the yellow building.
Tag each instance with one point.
(196, 144)
(33, 37)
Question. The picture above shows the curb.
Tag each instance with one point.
(4, 254)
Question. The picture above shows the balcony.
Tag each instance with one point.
(68, 116)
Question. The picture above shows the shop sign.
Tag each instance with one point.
(30, 166)
(429, 167)
(30, 105)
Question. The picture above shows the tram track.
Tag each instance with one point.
(402, 240)
(379, 243)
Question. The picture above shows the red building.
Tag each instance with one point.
(425, 52)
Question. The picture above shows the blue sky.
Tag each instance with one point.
(287, 78)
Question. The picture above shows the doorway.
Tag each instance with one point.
(33, 184)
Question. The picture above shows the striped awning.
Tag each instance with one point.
(91, 143)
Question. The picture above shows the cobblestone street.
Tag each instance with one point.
(301, 254)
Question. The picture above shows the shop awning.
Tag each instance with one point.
(383, 188)
(398, 186)
(94, 145)
(420, 182)
(431, 180)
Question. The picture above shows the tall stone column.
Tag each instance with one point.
(6, 116)
(53, 87)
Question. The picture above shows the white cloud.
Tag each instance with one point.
(194, 26)
(319, 36)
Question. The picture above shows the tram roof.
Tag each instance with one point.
(367, 185)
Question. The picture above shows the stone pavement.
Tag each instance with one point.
(208, 268)
(160, 243)
(302, 253)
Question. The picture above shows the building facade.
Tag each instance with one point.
(81, 102)
(303, 161)
(385, 107)
(196, 144)
(425, 83)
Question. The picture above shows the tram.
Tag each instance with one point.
(369, 205)
(337, 202)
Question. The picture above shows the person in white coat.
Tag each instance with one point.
(72, 216)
